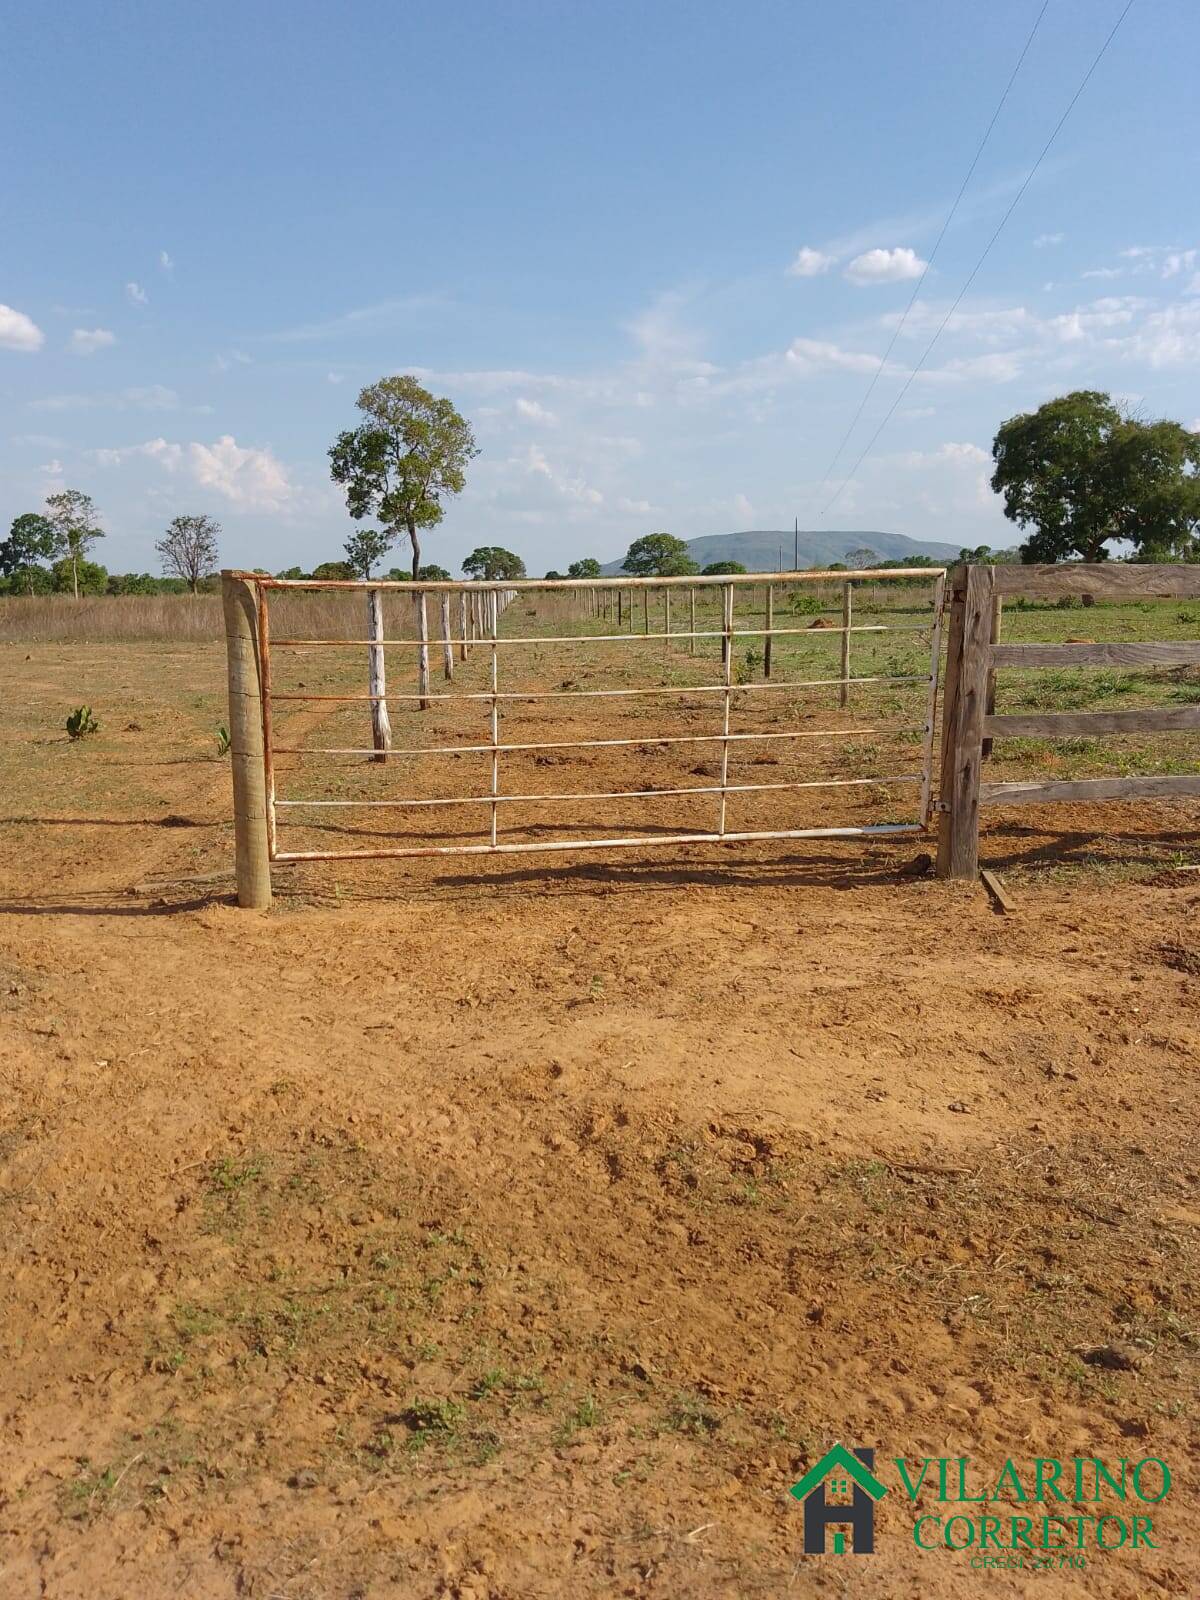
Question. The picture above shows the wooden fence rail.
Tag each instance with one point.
(969, 722)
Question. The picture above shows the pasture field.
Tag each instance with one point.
(525, 1226)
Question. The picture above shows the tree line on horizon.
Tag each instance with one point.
(1079, 472)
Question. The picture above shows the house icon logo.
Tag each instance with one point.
(840, 1471)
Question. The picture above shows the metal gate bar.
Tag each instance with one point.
(489, 595)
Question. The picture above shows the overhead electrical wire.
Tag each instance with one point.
(883, 360)
(1100, 54)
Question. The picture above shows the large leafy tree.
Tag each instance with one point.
(409, 453)
(75, 520)
(659, 555)
(1080, 471)
(491, 562)
(722, 569)
(588, 567)
(366, 547)
(189, 548)
(32, 542)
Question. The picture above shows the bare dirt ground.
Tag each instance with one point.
(525, 1227)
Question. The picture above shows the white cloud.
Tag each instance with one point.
(385, 316)
(1044, 239)
(252, 480)
(136, 295)
(569, 485)
(234, 358)
(154, 397)
(86, 341)
(335, 377)
(815, 355)
(1178, 261)
(810, 263)
(886, 266)
(19, 332)
(533, 411)
(1104, 272)
(165, 262)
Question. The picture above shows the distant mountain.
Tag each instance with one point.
(758, 550)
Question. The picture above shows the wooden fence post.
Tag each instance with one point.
(462, 626)
(770, 625)
(381, 729)
(692, 624)
(447, 645)
(252, 851)
(962, 739)
(847, 619)
(423, 651)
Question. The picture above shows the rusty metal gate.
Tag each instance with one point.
(793, 655)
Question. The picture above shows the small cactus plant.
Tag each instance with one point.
(81, 723)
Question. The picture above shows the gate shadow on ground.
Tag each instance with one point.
(585, 877)
(1014, 844)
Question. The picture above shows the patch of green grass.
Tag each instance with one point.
(585, 1413)
(691, 1415)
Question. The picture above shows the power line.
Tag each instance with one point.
(986, 252)
(925, 272)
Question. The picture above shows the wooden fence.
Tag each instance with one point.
(974, 655)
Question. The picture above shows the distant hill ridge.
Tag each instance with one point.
(758, 549)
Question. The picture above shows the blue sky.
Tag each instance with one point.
(653, 251)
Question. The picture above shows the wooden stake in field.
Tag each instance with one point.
(770, 624)
(667, 621)
(246, 745)
(447, 645)
(847, 619)
(462, 626)
(423, 651)
(381, 729)
(645, 611)
(692, 623)
(962, 713)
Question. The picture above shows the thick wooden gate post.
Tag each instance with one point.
(967, 662)
(246, 744)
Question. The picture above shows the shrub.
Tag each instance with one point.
(81, 723)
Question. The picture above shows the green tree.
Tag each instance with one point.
(861, 558)
(366, 547)
(721, 569)
(78, 576)
(292, 572)
(73, 516)
(553, 575)
(658, 555)
(1080, 471)
(189, 548)
(333, 571)
(408, 454)
(589, 567)
(32, 541)
(434, 574)
(491, 562)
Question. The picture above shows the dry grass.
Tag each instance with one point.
(167, 618)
